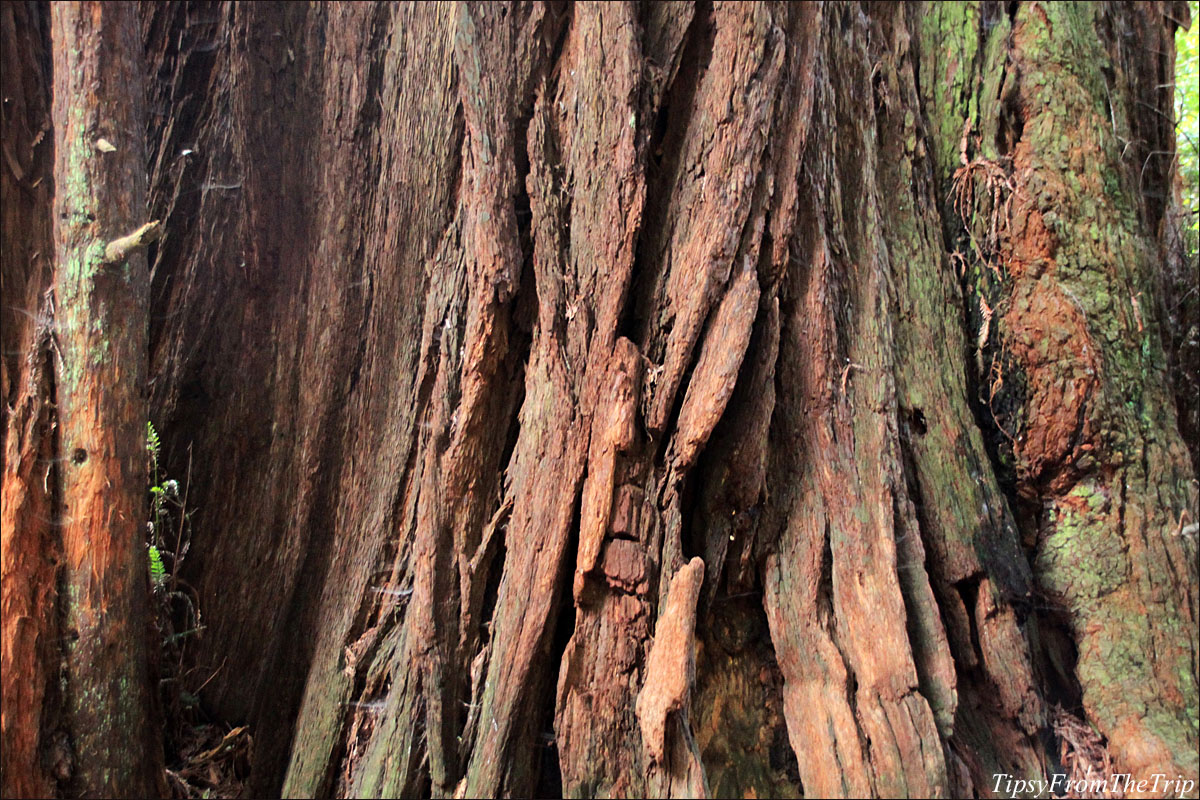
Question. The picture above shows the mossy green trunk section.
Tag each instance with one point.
(1044, 193)
(100, 330)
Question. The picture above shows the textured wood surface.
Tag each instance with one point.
(662, 399)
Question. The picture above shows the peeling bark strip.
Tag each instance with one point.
(716, 368)
(614, 431)
(671, 665)
(604, 399)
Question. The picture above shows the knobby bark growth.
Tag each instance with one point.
(644, 399)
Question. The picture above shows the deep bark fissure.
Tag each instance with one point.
(662, 156)
(57, 751)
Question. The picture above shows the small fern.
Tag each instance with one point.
(173, 601)
(158, 573)
(167, 515)
(153, 443)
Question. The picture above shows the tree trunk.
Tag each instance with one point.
(671, 399)
(75, 476)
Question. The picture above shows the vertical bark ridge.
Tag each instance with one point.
(957, 508)
(31, 548)
(416, 663)
(857, 719)
(583, 115)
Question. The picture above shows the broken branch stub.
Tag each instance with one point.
(120, 249)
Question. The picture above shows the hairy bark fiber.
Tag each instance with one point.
(657, 399)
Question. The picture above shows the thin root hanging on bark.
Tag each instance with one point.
(996, 185)
(996, 383)
(985, 311)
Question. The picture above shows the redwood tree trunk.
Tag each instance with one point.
(75, 574)
(661, 399)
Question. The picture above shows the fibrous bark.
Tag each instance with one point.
(76, 592)
(101, 329)
(685, 289)
(1061, 259)
(651, 399)
(29, 656)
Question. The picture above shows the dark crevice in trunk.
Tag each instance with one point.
(673, 116)
(549, 777)
(523, 304)
(783, 756)
(663, 152)
(630, 321)
(364, 297)
(522, 212)
(691, 527)
(491, 590)
(560, 18)
(1056, 658)
(549, 783)
(992, 411)
(57, 750)
(825, 585)
(371, 110)
(968, 590)
(709, 474)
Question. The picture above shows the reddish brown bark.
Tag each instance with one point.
(77, 712)
(101, 326)
(29, 549)
(678, 288)
(603, 399)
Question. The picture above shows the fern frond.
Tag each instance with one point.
(158, 572)
(153, 443)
